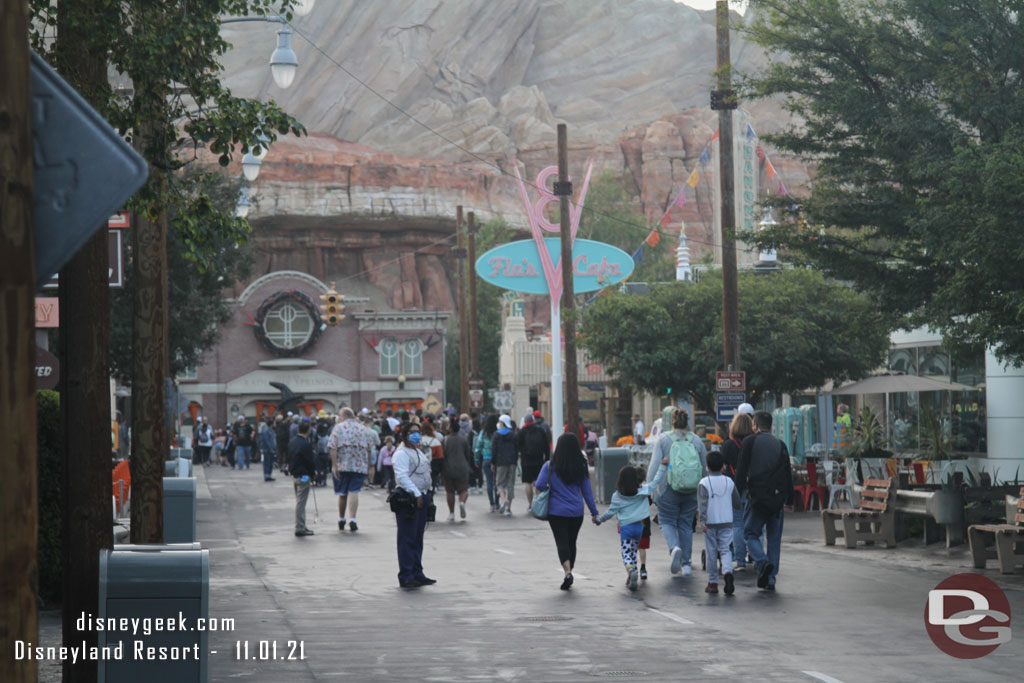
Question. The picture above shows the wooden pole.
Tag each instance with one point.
(150, 355)
(460, 262)
(474, 332)
(730, 295)
(85, 384)
(19, 505)
(564, 192)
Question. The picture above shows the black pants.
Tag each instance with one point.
(566, 530)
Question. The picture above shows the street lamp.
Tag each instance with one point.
(283, 62)
(251, 165)
(242, 208)
(767, 259)
(303, 7)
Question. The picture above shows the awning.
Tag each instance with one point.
(898, 384)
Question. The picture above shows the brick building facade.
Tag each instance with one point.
(373, 358)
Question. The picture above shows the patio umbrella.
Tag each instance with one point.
(898, 384)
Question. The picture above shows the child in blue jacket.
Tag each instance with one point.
(631, 506)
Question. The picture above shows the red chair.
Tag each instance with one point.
(813, 489)
(919, 477)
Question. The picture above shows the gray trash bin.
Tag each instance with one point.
(178, 467)
(607, 463)
(181, 453)
(148, 583)
(179, 509)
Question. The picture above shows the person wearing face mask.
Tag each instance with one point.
(412, 473)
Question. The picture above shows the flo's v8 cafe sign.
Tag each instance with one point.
(518, 265)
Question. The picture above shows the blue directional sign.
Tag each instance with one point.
(84, 171)
(736, 397)
(725, 413)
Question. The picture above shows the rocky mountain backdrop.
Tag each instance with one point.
(416, 106)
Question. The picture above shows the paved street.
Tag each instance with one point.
(496, 612)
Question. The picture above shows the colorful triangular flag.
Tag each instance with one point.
(759, 152)
(638, 256)
(693, 179)
(665, 221)
(680, 199)
(715, 136)
(705, 156)
(655, 237)
(782, 189)
(750, 132)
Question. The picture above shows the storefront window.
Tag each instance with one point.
(389, 358)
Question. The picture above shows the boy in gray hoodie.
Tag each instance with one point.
(716, 498)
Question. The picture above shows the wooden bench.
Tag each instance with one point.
(874, 520)
(1008, 540)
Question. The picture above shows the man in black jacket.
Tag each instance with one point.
(764, 473)
(532, 444)
(303, 468)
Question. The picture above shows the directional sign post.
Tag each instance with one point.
(84, 171)
(732, 380)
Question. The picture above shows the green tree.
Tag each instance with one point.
(613, 216)
(798, 331)
(912, 114)
(197, 305)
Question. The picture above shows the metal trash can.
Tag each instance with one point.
(607, 463)
(181, 453)
(143, 585)
(178, 467)
(179, 509)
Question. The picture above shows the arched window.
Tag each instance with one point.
(288, 325)
(389, 358)
(412, 358)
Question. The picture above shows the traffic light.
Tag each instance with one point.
(332, 306)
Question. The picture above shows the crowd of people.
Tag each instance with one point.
(736, 495)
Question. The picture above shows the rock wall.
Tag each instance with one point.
(491, 80)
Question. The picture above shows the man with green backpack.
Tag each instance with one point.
(676, 496)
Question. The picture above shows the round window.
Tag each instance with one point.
(287, 323)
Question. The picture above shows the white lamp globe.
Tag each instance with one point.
(251, 165)
(283, 62)
(303, 7)
(242, 208)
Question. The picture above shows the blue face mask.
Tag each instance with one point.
(415, 438)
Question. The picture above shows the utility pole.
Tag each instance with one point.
(474, 341)
(150, 345)
(460, 261)
(563, 190)
(724, 100)
(19, 504)
(85, 388)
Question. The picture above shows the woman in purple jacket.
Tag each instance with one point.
(567, 475)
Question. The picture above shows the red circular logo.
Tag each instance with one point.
(967, 616)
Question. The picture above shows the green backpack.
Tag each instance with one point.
(684, 468)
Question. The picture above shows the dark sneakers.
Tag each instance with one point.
(424, 581)
(770, 587)
(729, 587)
(304, 532)
(567, 582)
(764, 574)
(341, 525)
(643, 572)
(409, 584)
(353, 526)
(712, 588)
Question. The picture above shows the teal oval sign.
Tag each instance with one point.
(517, 265)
